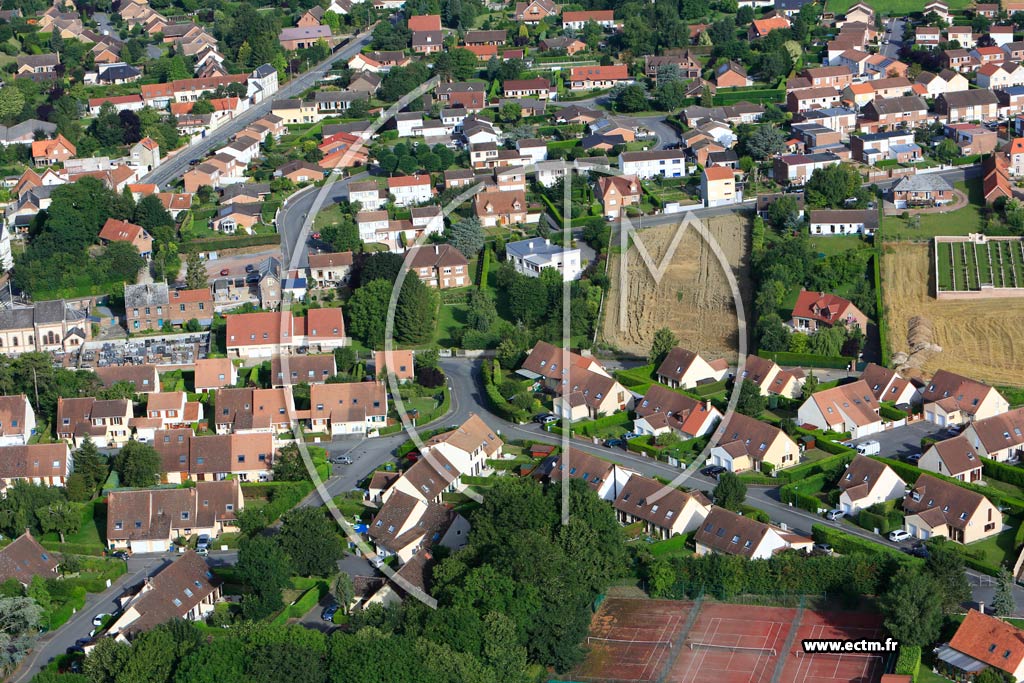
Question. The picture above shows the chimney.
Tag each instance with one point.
(981, 607)
(437, 249)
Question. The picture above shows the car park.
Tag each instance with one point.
(899, 535)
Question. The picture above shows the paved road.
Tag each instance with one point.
(293, 215)
(895, 36)
(173, 168)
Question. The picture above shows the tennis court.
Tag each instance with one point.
(640, 640)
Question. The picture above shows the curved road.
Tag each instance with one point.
(174, 167)
(293, 214)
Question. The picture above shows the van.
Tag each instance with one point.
(869, 448)
(833, 515)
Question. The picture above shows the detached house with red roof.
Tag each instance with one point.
(409, 190)
(982, 642)
(846, 408)
(936, 507)
(115, 230)
(663, 511)
(594, 77)
(577, 20)
(867, 482)
(951, 399)
(49, 152)
(814, 310)
(662, 410)
(748, 444)
(759, 28)
(684, 369)
(952, 458)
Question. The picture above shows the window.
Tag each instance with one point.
(118, 525)
(138, 524)
(177, 602)
(188, 592)
(184, 515)
(241, 458)
(229, 507)
(735, 539)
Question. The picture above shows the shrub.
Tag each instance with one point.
(1000, 471)
(845, 544)
(908, 662)
(807, 359)
(800, 493)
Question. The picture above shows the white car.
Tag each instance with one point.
(899, 535)
(98, 619)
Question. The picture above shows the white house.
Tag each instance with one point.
(684, 369)
(667, 163)
(17, 420)
(407, 122)
(530, 257)
(409, 190)
(867, 482)
(847, 408)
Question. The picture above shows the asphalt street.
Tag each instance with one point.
(174, 167)
(293, 215)
(895, 38)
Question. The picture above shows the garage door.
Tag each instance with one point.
(912, 529)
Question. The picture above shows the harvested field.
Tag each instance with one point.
(693, 298)
(975, 337)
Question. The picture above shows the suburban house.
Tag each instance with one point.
(936, 507)
(586, 394)
(529, 257)
(843, 221)
(469, 446)
(667, 163)
(173, 409)
(299, 37)
(684, 369)
(771, 379)
(887, 385)
(749, 444)
(268, 333)
(143, 378)
(550, 364)
(593, 77)
(330, 269)
(718, 186)
(115, 230)
(409, 190)
(1000, 437)
(534, 11)
(150, 307)
(46, 464)
(184, 456)
(24, 559)
(662, 410)
(845, 408)
(732, 75)
(814, 310)
(663, 511)
(728, 533)
(501, 208)
(348, 408)
(617, 192)
(406, 526)
(106, 422)
(967, 105)
(605, 478)
(951, 399)
(214, 373)
(954, 458)
(148, 520)
(440, 266)
(186, 589)
(17, 420)
(39, 68)
(50, 152)
(915, 191)
(286, 371)
(982, 641)
(253, 411)
(867, 482)
(397, 362)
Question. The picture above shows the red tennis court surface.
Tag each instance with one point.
(640, 641)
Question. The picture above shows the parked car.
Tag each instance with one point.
(713, 470)
(914, 458)
(249, 268)
(203, 542)
(899, 535)
(835, 514)
(75, 650)
(195, 162)
(98, 619)
(824, 548)
(615, 443)
(329, 612)
(121, 555)
(920, 550)
(341, 460)
(224, 272)
(81, 642)
(869, 448)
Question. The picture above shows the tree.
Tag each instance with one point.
(311, 541)
(947, 151)
(765, 141)
(138, 464)
(784, 213)
(670, 95)
(106, 127)
(20, 617)
(663, 342)
(265, 566)
(729, 492)
(810, 384)
(91, 464)
(343, 591)
(629, 98)
(367, 312)
(750, 401)
(344, 235)
(415, 312)
(945, 564)
(1004, 604)
(466, 235)
(12, 101)
(61, 517)
(510, 112)
(195, 271)
(289, 465)
(151, 214)
(912, 614)
(831, 186)
(528, 300)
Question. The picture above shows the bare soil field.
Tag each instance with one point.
(977, 338)
(693, 298)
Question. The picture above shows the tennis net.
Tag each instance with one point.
(695, 645)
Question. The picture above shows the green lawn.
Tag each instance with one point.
(329, 215)
(836, 244)
(893, 7)
(675, 546)
(999, 549)
(451, 317)
(964, 220)
(89, 540)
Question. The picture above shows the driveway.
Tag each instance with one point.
(904, 441)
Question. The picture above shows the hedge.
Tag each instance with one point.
(792, 493)
(497, 402)
(1010, 474)
(846, 544)
(908, 663)
(891, 413)
(909, 474)
(834, 463)
(306, 602)
(218, 243)
(485, 266)
(883, 327)
(591, 427)
(806, 359)
(642, 444)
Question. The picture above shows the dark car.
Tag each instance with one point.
(920, 550)
(545, 418)
(913, 458)
(120, 555)
(249, 268)
(615, 443)
(329, 612)
(75, 650)
(713, 470)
